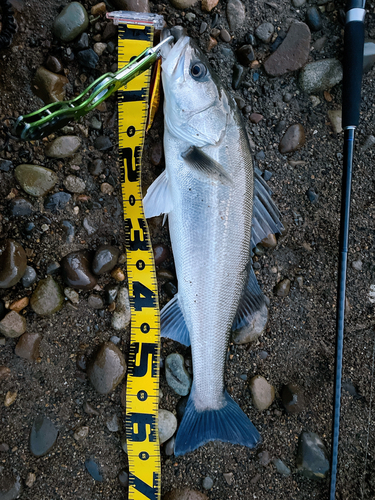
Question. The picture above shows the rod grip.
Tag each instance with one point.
(353, 68)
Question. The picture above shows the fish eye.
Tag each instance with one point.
(198, 70)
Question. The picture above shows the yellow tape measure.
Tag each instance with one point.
(142, 393)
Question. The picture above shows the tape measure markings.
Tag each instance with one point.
(142, 393)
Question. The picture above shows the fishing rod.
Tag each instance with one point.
(351, 100)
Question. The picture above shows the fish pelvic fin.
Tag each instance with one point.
(172, 322)
(158, 198)
(204, 164)
(229, 424)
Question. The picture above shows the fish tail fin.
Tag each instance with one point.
(229, 424)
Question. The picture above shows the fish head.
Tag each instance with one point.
(196, 106)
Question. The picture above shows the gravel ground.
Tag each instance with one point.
(299, 339)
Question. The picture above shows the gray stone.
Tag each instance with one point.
(10, 485)
(121, 315)
(335, 117)
(74, 184)
(264, 32)
(176, 374)
(357, 265)
(29, 277)
(312, 456)
(95, 302)
(320, 75)
(63, 147)
(72, 295)
(81, 433)
(298, 3)
(47, 297)
(169, 446)
(13, 325)
(167, 425)
(281, 467)
(114, 423)
(13, 263)
(207, 483)
(262, 392)
(293, 53)
(43, 436)
(235, 14)
(71, 22)
(49, 86)
(35, 180)
(107, 369)
(254, 329)
(293, 139)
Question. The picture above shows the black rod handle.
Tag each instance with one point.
(353, 65)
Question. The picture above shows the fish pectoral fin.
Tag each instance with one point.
(252, 312)
(158, 198)
(172, 322)
(206, 165)
(266, 216)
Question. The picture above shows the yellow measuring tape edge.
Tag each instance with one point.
(142, 392)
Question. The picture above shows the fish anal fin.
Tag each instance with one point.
(201, 162)
(252, 314)
(158, 199)
(172, 322)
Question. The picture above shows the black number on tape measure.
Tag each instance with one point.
(136, 238)
(146, 350)
(150, 492)
(142, 426)
(126, 157)
(142, 296)
(131, 200)
(144, 455)
(130, 131)
(145, 327)
(140, 265)
(142, 395)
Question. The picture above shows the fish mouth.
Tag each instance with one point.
(173, 55)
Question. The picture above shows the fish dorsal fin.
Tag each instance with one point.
(266, 216)
(172, 322)
(158, 198)
(252, 313)
(206, 165)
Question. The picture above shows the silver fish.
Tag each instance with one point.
(207, 190)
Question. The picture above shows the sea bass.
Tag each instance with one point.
(207, 190)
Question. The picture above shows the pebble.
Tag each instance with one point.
(123, 478)
(13, 325)
(118, 274)
(83, 42)
(312, 456)
(236, 14)
(13, 262)
(93, 469)
(320, 75)
(114, 423)
(269, 242)
(207, 483)
(98, 9)
(63, 147)
(43, 436)
(183, 4)
(30, 479)
(357, 265)
(255, 328)
(88, 58)
(161, 253)
(110, 293)
(4, 372)
(208, 5)
(88, 224)
(49, 86)
(57, 201)
(298, 3)
(245, 55)
(5, 165)
(368, 55)
(167, 425)
(81, 433)
(293, 52)
(29, 277)
(106, 188)
(74, 184)
(312, 195)
(239, 73)
(105, 259)
(89, 409)
(292, 398)
(281, 467)
(190, 16)
(28, 346)
(185, 494)
(47, 298)
(122, 314)
(99, 48)
(264, 458)
(76, 270)
(264, 32)
(225, 36)
(313, 19)
(95, 123)
(35, 180)
(255, 118)
(71, 22)
(169, 446)
(97, 167)
(95, 302)
(10, 486)
(53, 64)
(52, 267)
(293, 139)
(262, 392)
(102, 143)
(282, 288)
(335, 117)
(19, 207)
(107, 369)
(228, 476)
(10, 398)
(212, 42)
(176, 374)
